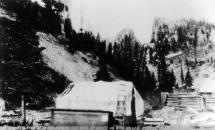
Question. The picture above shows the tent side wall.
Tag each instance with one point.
(139, 104)
(82, 119)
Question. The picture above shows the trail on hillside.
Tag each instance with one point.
(76, 67)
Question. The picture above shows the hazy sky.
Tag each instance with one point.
(108, 17)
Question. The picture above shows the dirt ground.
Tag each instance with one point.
(176, 127)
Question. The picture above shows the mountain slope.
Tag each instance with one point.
(76, 67)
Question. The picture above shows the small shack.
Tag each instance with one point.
(207, 87)
(2, 105)
(207, 91)
(174, 57)
(115, 97)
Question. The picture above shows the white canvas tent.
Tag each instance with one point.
(100, 96)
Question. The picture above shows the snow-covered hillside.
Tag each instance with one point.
(76, 67)
(205, 75)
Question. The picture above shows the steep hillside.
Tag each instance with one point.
(203, 73)
(188, 44)
(76, 67)
(204, 76)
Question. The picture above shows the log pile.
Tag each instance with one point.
(181, 101)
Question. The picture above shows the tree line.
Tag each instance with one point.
(132, 60)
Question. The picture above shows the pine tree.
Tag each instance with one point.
(162, 73)
(147, 78)
(115, 49)
(153, 82)
(22, 70)
(149, 81)
(103, 73)
(115, 52)
(98, 38)
(52, 17)
(119, 60)
(169, 82)
(182, 76)
(160, 34)
(165, 78)
(188, 79)
(97, 44)
(110, 54)
(181, 36)
(174, 46)
(172, 78)
(127, 56)
(153, 38)
(195, 42)
(68, 28)
(135, 59)
(151, 58)
(141, 70)
(166, 46)
(133, 110)
(34, 16)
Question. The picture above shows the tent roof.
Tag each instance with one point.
(100, 90)
(101, 95)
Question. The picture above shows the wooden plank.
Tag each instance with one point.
(172, 100)
(178, 94)
(196, 104)
(210, 97)
(190, 101)
(153, 119)
(187, 106)
(190, 96)
(186, 98)
(153, 123)
(210, 100)
(172, 103)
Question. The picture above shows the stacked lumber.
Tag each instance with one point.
(210, 101)
(151, 122)
(184, 100)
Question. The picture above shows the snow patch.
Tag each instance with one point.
(73, 66)
(5, 14)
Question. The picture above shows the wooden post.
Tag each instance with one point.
(203, 103)
(23, 108)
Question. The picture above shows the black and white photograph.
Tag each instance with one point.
(107, 65)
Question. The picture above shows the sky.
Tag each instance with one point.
(108, 17)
